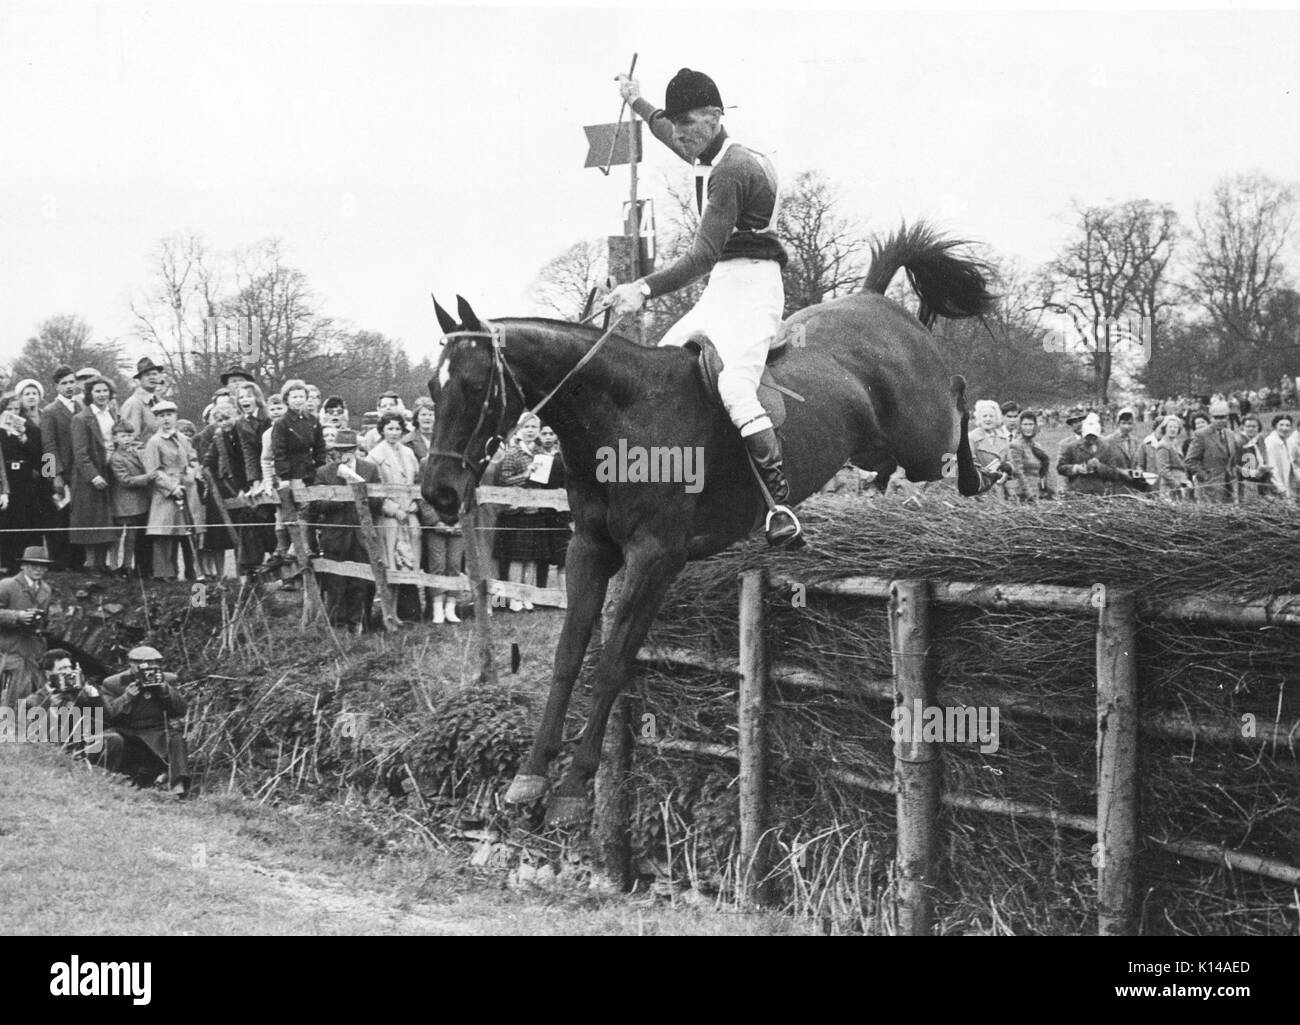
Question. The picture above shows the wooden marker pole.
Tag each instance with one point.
(916, 762)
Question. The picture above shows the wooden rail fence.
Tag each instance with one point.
(916, 780)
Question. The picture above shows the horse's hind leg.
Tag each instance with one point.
(650, 569)
(590, 565)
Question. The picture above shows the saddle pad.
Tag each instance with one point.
(771, 393)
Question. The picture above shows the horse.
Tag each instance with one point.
(877, 395)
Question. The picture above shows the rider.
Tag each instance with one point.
(741, 307)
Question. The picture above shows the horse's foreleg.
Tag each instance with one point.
(590, 566)
(647, 576)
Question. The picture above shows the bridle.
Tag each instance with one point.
(497, 387)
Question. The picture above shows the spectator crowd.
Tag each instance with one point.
(1213, 449)
(119, 484)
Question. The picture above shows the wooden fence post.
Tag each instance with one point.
(313, 606)
(916, 762)
(375, 548)
(752, 715)
(487, 672)
(611, 806)
(1117, 764)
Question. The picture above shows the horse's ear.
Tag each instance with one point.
(467, 316)
(445, 319)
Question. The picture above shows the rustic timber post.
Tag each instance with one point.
(313, 606)
(1117, 763)
(487, 672)
(916, 762)
(752, 715)
(611, 808)
(378, 568)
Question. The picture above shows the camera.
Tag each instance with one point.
(39, 618)
(151, 679)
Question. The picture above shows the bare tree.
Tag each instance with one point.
(562, 286)
(1109, 273)
(825, 247)
(64, 340)
(173, 312)
(294, 338)
(1240, 237)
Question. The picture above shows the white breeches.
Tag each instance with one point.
(740, 312)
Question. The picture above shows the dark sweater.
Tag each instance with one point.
(742, 194)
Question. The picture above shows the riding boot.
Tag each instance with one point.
(764, 449)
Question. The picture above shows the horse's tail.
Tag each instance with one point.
(968, 475)
(947, 285)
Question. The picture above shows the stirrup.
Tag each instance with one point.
(794, 540)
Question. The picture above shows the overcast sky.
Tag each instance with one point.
(402, 149)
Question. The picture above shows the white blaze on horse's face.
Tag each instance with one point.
(444, 374)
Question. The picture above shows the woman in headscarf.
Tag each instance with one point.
(30, 506)
(92, 502)
(31, 393)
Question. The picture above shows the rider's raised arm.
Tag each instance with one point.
(720, 216)
(659, 125)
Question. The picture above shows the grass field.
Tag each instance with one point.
(85, 854)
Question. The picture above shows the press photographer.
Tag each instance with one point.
(147, 710)
(66, 687)
(24, 615)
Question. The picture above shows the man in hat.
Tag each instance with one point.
(138, 409)
(24, 613)
(234, 376)
(1212, 456)
(333, 527)
(1074, 418)
(144, 707)
(1090, 465)
(56, 440)
(736, 245)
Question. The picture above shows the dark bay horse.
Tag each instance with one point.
(877, 394)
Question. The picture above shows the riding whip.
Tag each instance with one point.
(621, 110)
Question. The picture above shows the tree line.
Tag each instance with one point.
(201, 310)
(1188, 307)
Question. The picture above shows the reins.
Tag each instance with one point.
(497, 383)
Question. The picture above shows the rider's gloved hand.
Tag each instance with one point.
(629, 88)
(625, 299)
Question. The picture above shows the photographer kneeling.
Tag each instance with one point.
(78, 709)
(144, 707)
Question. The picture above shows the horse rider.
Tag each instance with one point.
(736, 244)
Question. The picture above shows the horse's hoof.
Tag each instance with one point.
(524, 789)
(566, 811)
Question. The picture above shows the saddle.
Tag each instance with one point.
(771, 393)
